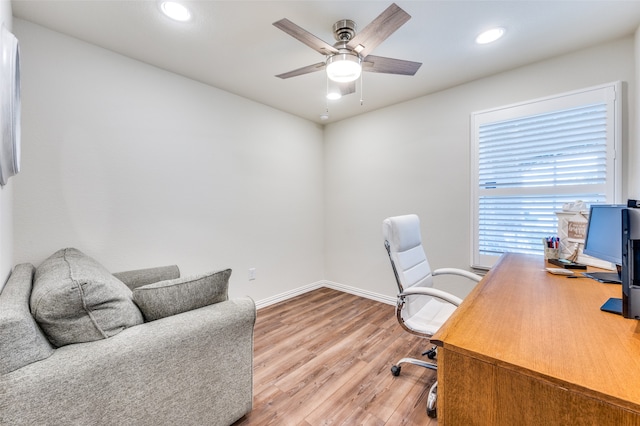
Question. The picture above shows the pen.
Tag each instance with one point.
(553, 242)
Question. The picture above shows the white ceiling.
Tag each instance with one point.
(232, 45)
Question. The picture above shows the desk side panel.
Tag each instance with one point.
(475, 392)
(465, 390)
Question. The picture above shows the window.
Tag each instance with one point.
(531, 158)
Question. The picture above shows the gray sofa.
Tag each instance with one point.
(186, 357)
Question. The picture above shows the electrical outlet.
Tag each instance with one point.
(252, 274)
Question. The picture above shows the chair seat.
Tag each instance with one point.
(430, 317)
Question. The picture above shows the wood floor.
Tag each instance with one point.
(324, 358)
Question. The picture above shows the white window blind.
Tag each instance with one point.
(530, 159)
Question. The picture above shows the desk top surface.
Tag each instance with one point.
(523, 318)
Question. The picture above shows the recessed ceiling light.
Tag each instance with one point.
(175, 10)
(490, 35)
(334, 96)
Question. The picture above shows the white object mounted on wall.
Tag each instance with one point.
(9, 106)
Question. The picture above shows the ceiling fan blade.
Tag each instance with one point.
(304, 70)
(347, 88)
(305, 36)
(389, 65)
(342, 88)
(378, 30)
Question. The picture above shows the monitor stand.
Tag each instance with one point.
(613, 305)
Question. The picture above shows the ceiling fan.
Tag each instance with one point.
(351, 54)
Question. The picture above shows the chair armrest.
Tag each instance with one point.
(433, 292)
(140, 277)
(456, 271)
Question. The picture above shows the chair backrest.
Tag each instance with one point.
(404, 245)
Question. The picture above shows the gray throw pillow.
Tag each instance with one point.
(166, 298)
(75, 299)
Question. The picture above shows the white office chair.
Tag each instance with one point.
(420, 309)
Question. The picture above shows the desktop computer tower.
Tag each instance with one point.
(630, 275)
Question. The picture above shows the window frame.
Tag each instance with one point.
(610, 93)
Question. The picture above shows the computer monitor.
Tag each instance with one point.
(604, 239)
(629, 304)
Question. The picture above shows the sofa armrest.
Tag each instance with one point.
(140, 277)
(192, 368)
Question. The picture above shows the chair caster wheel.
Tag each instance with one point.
(431, 353)
(395, 370)
(432, 401)
(432, 412)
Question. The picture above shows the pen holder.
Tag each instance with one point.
(550, 252)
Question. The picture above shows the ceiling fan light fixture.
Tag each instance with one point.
(344, 67)
(175, 11)
(490, 36)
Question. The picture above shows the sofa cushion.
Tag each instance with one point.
(21, 340)
(140, 277)
(166, 298)
(75, 299)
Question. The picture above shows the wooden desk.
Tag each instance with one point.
(528, 347)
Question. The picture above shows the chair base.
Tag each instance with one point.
(395, 370)
(432, 398)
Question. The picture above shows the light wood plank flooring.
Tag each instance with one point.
(324, 358)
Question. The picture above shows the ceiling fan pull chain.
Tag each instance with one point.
(361, 91)
(325, 116)
(326, 97)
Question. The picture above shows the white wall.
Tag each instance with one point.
(140, 167)
(6, 192)
(414, 158)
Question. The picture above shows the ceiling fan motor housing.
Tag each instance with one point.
(344, 30)
(344, 66)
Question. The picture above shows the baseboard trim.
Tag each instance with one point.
(329, 284)
(389, 300)
(288, 295)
